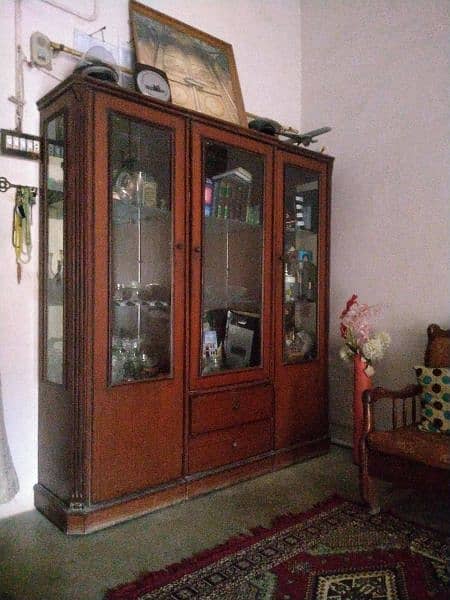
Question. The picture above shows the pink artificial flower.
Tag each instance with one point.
(350, 303)
(356, 329)
(357, 317)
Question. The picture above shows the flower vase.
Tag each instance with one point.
(361, 382)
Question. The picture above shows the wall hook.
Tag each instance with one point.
(5, 185)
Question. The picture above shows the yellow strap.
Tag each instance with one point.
(21, 238)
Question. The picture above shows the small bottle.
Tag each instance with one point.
(149, 192)
(310, 292)
(299, 278)
(289, 285)
(248, 212)
(208, 197)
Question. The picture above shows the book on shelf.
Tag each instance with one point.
(231, 195)
(238, 173)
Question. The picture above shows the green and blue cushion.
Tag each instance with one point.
(435, 398)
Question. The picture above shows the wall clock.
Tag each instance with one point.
(152, 82)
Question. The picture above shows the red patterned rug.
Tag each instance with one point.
(336, 551)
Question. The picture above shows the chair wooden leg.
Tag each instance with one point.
(367, 484)
(369, 493)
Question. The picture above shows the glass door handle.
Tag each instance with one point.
(179, 246)
(197, 249)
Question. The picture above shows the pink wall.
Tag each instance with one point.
(379, 74)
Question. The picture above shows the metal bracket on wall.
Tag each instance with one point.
(5, 185)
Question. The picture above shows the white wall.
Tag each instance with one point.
(265, 34)
(378, 73)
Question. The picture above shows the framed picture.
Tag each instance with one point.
(200, 68)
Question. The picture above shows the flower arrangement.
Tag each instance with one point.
(359, 338)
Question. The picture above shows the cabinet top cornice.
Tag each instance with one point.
(81, 85)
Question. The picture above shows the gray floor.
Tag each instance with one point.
(37, 561)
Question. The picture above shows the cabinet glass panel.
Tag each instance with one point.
(141, 250)
(232, 252)
(301, 223)
(55, 249)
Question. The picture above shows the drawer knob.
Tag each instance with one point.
(234, 444)
(236, 405)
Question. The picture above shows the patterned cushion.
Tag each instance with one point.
(432, 449)
(435, 399)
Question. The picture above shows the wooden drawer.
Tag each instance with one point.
(219, 448)
(220, 410)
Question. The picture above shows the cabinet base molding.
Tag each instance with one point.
(294, 454)
(99, 516)
(216, 480)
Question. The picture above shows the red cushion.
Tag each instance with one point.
(408, 442)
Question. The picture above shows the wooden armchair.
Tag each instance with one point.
(405, 455)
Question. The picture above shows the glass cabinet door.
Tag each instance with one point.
(231, 258)
(54, 252)
(140, 250)
(300, 259)
(232, 251)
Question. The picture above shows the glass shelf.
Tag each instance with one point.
(234, 225)
(124, 213)
(155, 305)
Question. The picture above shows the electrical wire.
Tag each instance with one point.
(91, 17)
(18, 99)
(42, 70)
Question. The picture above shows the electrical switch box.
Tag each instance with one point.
(41, 50)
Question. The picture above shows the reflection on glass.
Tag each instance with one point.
(231, 258)
(301, 222)
(141, 251)
(55, 249)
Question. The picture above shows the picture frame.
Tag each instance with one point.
(200, 68)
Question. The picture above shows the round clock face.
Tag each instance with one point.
(153, 84)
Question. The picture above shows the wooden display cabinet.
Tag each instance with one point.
(183, 337)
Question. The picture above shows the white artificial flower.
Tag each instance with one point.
(373, 349)
(345, 353)
(369, 371)
(385, 339)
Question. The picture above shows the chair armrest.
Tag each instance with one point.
(371, 396)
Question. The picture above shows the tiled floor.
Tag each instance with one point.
(38, 562)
